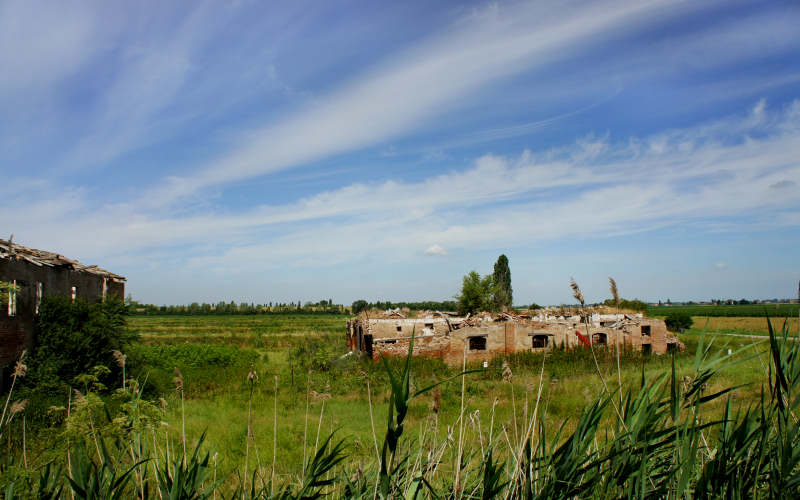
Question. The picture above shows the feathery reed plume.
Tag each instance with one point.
(320, 396)
(614, 292)
(615, 295)
(508, 375)
(24, 445)
(178, 380)
(18, 406)
(274, 439)
(120, 358)
(179, 387)
(436, 402)
(19, 371)
(576, 291)
(371, 418)
(251, 378)
(79, 399)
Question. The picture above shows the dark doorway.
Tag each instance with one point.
(647, 349)
(368, 345)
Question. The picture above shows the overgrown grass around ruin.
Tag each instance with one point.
(532, 425)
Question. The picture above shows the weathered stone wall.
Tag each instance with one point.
(485, 339)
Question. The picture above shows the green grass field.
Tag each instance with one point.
(289, 348)
(733, 311)
(305, 386)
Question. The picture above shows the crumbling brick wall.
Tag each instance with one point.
(33, 282)
(476, 339)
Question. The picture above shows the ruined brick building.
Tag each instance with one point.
(451, 338)
(35, 274)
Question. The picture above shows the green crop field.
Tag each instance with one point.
(289, 380)
(725, 310)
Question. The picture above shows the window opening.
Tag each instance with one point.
(12, 299)
(477, 343)
(39, 290)
(74, 293)
(399, 328)
(600, 339)
(540, 341)
(645, 330)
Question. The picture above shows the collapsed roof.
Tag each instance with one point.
(42, 258)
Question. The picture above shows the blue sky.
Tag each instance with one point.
(284, 151)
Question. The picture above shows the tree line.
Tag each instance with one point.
(242, 308)
(425, 305)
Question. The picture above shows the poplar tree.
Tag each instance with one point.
(501, 278)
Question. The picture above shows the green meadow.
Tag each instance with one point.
(264, 394)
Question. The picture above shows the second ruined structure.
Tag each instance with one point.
(451, 338)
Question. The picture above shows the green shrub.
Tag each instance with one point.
(204, 366)
(72, 338)
(678, 321)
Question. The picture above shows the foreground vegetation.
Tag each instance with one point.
(252, 406)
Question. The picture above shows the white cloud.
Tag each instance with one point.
(414, 86)
(435, 250)
(721, 265)
(621, 188)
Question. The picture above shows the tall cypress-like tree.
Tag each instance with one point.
(501, 278)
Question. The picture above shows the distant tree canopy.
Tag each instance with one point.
(678, 321)
(325, 306)
(359, 306)
(476, 294)
(501, 279)
(631, 305)
(424, 305)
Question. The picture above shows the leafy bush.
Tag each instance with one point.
(205, 365)
(74, 337)
(678, 321)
